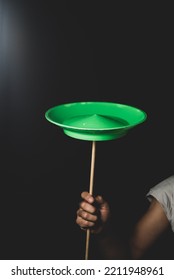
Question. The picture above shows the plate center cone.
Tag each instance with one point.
(95, 121)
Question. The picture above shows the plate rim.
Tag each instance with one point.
(144, 114)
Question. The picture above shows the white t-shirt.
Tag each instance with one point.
(164, 193)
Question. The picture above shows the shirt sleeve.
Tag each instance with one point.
(164, 193)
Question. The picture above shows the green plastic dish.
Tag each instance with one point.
(95, 121)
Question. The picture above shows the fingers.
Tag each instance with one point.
(86, 214)
(85, 206)
(87, 197)
(93, 212)
(85, 220)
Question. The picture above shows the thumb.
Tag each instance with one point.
(102, 203)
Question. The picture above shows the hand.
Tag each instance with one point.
(93, 213)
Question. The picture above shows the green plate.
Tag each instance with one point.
(95, 121)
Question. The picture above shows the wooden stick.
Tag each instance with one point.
(91, 192)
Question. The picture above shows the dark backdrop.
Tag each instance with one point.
(55, 52)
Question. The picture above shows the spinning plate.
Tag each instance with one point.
(95, 121)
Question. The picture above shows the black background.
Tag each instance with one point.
(55, 52)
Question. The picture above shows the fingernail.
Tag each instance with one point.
(90, 199)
